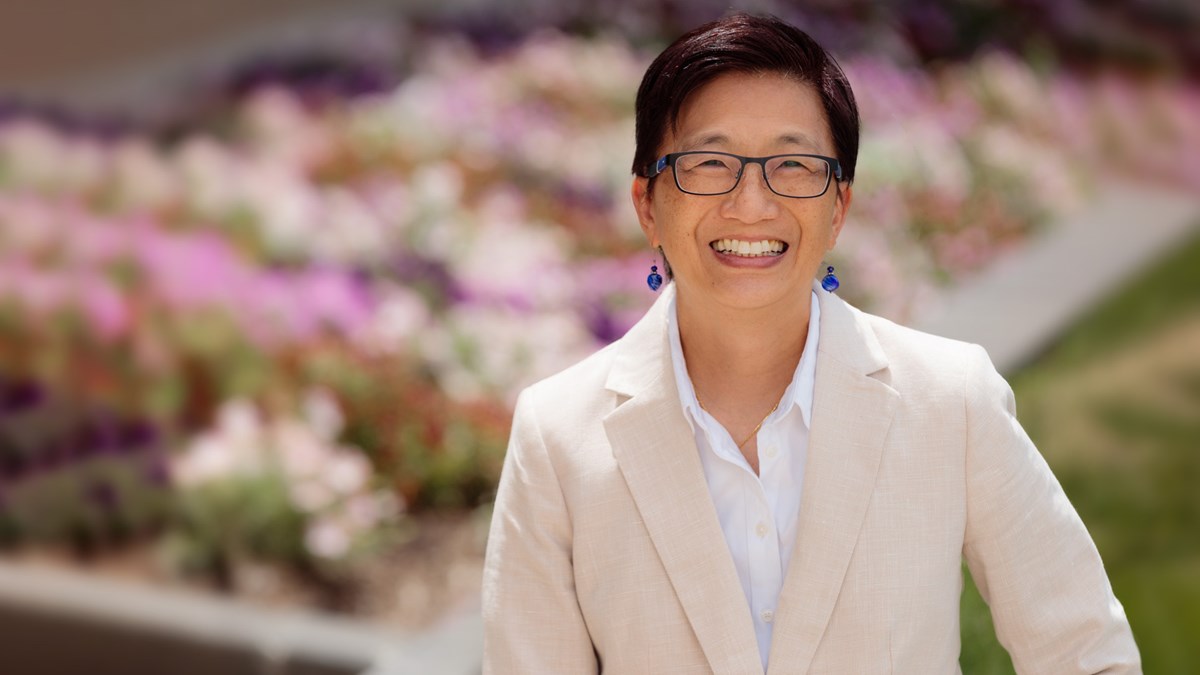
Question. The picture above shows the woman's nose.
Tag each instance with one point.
(752, 200)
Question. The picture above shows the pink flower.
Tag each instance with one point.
(106, 310)
(187, 270)
(333, 298)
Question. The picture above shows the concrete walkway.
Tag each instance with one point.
(1020, 304)
(125, 628)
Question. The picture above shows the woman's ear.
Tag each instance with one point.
(643, 204)
(840, 206)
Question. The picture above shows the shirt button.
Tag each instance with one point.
(767, 616)
(761, 529)
(772, 451)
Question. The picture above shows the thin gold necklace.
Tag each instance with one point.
(756, 428)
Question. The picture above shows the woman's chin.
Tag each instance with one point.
(746, 291)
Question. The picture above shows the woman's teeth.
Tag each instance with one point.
(749, 249)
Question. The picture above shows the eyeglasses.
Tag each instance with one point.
(716, 173)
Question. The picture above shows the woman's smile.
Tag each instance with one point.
(752, 252)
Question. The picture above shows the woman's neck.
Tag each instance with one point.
(740, 361)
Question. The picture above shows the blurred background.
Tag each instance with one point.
(272, 274)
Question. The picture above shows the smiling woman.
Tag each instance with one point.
(758, 476)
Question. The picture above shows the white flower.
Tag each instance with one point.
(299, 449)
(209, 457)
(211, 177)
(399, 316)
(438, 188)
(327, 538)
(31, 152)
(282, 130)
(310, 495)
(349, 229)
(239, 423)
(322, 413)
(364, 511)
(142, 177)
(511, 262)
(285, 203)
(348, 471)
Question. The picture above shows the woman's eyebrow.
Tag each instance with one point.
(790, 138)
(798, 139)
(706, 139)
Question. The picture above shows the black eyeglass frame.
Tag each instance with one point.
(835, 170)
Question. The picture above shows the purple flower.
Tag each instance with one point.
(102, 494)
(137, 434)
(156, 472)
(426, 274)
(21, 395)
(13, 465)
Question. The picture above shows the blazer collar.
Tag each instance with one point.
(657, 455)
(639, 361)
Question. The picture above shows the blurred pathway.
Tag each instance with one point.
(1019, 305)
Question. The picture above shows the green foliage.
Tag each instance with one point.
(70, 477)
(239, 518)
(437, 453)
(981, 652)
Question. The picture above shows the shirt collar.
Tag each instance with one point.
(799, 392)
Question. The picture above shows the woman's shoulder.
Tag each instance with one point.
(578, 383)
(936, 357)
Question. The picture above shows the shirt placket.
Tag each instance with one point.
(763, 542)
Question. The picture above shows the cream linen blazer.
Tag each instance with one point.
(605, 553)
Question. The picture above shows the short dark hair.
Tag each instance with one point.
(747, 44)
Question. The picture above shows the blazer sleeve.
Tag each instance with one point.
(1027, 549)
(531, 616)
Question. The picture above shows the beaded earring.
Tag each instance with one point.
(830, 282)
(654, 280)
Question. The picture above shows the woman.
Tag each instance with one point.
(759, 477)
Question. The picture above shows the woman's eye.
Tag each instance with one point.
(796, 165)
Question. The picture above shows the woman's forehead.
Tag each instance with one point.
(765, 109)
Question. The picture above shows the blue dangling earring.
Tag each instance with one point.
(830, 282)
(654, 280)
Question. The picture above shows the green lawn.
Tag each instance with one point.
(1114, 406)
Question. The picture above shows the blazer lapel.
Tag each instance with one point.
(657, 454)
(852, 412)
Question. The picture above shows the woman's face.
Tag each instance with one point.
(752, 115)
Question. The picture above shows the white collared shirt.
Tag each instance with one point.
(758, 513)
